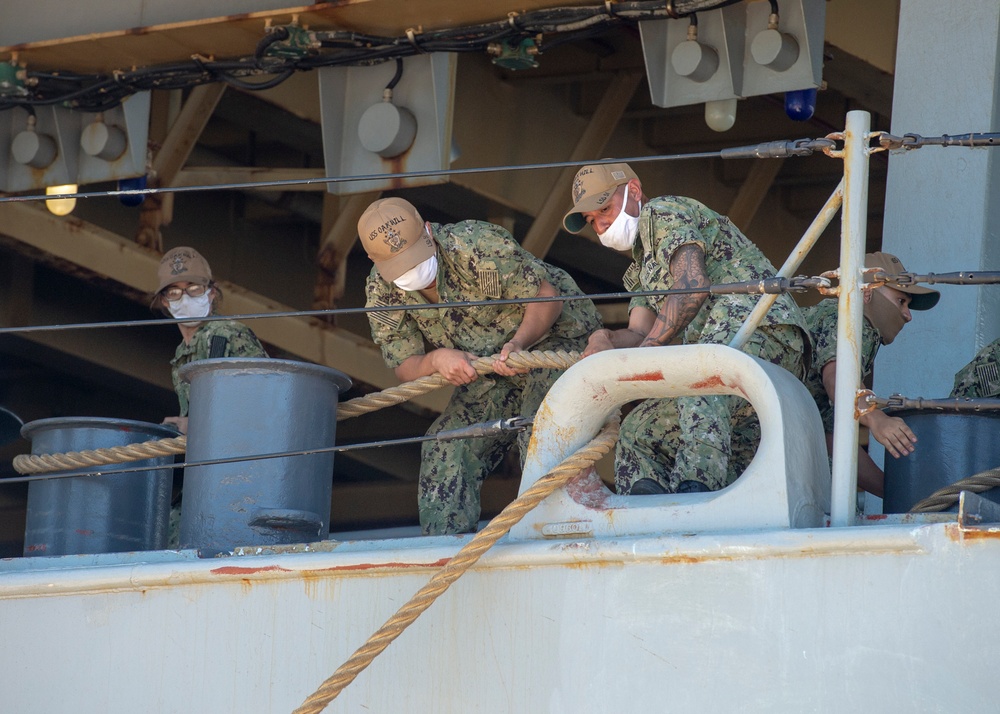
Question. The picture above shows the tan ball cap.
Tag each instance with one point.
(394, 237)
(183, 265)
(593, 186)
(920, 298)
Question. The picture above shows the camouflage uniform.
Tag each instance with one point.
(707, 439)
(821, 320)
(240, 342)
(476, 261)
(981, 377)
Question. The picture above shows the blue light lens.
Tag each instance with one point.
(800, 104)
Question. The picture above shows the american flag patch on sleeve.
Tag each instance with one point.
(631, 278)
(988, 376)
(389, 318)
(489, 281)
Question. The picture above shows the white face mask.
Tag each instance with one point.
(189, 306)
(622, 231)
(419, 276)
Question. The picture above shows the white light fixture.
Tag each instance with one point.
(385, 129)
(720, 115)
(61, 206)
(103, 141)
(774, 49)
(30, 148)
(694, 60)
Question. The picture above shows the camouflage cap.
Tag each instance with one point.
(183, 265)
(920, 298)
(593, 186)
(394, 237)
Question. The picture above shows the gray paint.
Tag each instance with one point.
(251, 406)
(941, 212)
(952, 447)
(102, 513)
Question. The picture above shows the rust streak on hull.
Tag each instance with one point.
(237, 570)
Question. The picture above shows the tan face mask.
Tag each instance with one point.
(885, 316)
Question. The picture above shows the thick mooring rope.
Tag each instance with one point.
(948, 496)
(43, 463)
(482, 365)
(458, 565)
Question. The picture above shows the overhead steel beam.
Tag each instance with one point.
(127, 353)
(119, 259)
(185, 131)
(340, 231)
(609, 111)
(157, 209)
(859, 80)
(217, 175)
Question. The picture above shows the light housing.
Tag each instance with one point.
(61, 206)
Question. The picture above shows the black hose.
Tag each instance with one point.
(277, 34)
(92, 92)
(255, 86)
(399, 73)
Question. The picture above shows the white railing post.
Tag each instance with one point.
(852, 252)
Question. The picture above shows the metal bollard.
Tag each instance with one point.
(951, 446)
(249, 406)
(101, 513)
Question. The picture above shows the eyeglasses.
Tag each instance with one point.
(174, 293)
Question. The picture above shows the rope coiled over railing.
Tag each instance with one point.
(587, 455)
(44, 463)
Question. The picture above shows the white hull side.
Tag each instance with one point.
(880, 618)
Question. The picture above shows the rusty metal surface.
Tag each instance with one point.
(784, 617)
(234, 35)
(975, 511)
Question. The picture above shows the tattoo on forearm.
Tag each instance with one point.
(687, 266)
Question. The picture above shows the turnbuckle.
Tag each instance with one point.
(779, 149)
(485, 429)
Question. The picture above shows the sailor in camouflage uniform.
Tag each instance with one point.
(187, 290)
(684, 444)
(886, 310)
(418, 263)
(981, 377)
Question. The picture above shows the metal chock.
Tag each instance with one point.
(974, 511)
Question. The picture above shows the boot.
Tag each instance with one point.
(646, 487)
(692, 487)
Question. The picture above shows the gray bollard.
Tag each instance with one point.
(104, 513)
(950, 446)
(244, 406)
